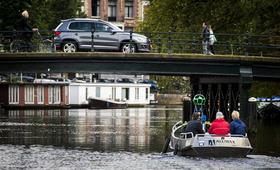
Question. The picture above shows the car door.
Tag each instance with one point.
(105, 38)
(81, 32)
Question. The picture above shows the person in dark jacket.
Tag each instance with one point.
(195, 125)
(23, 26)
(219, 126)
(237, 126)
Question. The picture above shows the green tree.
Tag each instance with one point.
(10, 12)
(44, 14)
(227, 16)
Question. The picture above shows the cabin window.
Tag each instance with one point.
(40, 94)
(147, 94)
(29, 94)
(114, 93)
(13, 94)
(125, 93)
(136, 93)
(86, 93)
(98, 92)
(54, 94)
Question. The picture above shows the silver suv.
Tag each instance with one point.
(76, 34)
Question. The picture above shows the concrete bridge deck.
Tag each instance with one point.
(141, 63)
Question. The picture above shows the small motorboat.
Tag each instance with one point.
(96, 103)
(207, 145)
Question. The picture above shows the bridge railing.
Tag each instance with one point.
(161, 42)
(234, 44)
(37, 41)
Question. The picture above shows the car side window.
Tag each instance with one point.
(84, 26)
(102, 27)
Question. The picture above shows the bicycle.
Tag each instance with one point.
(36, 44)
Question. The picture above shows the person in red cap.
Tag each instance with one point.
(219, 126)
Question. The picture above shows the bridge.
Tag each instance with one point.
(142, 63)
(224, 79)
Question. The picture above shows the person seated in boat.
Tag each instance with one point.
(195, 125)
(237, 126)
(219, 126)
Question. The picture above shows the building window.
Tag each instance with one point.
(97, 94)
(129, 8)
(54, 94)
(83, 6)
(29, 94)
(13, 94)
(136, 93)
(112, 10)
(40, 94)
(95, 7)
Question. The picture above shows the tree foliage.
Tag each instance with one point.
(44, 14)
(225, 16)
(172, 84)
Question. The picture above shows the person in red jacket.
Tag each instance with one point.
(219, 126)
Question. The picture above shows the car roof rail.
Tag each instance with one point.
(75, 19)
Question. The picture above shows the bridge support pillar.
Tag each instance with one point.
(187, 110)
(245, 83)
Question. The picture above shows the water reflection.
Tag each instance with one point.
(112, 139)
(136, 130)
(133, 129)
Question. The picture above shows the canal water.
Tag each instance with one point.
(113, 139)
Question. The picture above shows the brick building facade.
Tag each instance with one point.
(123, 13)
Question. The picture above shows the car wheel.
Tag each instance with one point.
(69, 47)
(128, 48)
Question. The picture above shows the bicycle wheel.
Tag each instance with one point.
(20, 46)
(15, 46)
(46, 46)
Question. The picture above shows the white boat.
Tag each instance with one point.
(97, 103)
(207, 145)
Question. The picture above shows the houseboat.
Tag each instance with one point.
(39, 93)
(50, 93)
(129, 93)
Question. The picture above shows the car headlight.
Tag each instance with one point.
(141, 39)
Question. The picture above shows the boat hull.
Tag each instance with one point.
(105, 104)
(215, 152)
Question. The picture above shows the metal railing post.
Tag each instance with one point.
(159, 45)
(53, 44)
(169, 50)
(246, 44)
(92, 40)
(130, 41)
